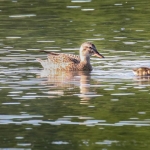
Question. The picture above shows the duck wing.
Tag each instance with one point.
(63, 58)
(60, 61)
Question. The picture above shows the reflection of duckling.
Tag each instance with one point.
(142, 71)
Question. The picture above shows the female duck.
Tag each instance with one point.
(70, 62)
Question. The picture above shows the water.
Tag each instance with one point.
(105, 109)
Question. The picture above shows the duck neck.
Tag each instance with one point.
(85, 59)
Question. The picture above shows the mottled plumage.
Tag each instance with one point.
(70, 62)
(142, 71)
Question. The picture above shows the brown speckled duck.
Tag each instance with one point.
(70, 62)
(142, 71)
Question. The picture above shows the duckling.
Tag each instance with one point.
(142, 71)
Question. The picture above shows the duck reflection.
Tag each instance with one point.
(69, 82)
(142, 80)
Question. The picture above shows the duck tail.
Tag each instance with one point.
(39, 60)
(52, 53)
(45, 51)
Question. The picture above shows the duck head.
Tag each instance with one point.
(87, 50)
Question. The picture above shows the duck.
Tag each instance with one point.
(71, 62)
(141, 71)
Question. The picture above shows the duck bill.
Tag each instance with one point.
(97, 54)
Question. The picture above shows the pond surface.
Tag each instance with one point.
(105, 109)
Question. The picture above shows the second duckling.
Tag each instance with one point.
(142, 71)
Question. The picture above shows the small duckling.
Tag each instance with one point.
(142, 71)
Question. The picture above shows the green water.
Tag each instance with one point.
(106, 109)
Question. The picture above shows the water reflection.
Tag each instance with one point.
(142, 80)
(69, 120)
(69, 80)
